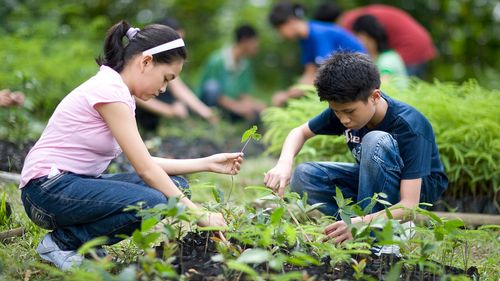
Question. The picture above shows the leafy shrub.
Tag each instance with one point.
(464, 117)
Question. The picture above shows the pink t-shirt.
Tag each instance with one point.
(76, 138)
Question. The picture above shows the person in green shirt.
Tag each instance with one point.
(227, 77)
(389, 63)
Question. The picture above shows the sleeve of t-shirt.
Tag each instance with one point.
(108, 94)
(326, 123)
(307, 53)
(416, 152)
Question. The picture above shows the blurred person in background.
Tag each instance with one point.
(175, 102)
(317, 40)
(227, 78)
(404, 34)
(389, 63)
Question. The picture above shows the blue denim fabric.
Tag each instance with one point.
(211, 92)
(379, 170)
(79, 208)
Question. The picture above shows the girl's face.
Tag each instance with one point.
(154, 78)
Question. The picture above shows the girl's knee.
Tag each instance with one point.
(153, 198)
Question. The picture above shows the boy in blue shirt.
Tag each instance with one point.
(393, 144)
(318, 40)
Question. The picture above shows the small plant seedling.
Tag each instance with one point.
(250, 134)
(246, 137)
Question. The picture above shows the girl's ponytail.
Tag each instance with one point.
(114, 50)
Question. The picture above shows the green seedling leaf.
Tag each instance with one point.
(276, 216)
(98, 241)
(259, 188)
(248, 133)
(242, 267)
(148, 223)
(254, 256)
(452, 225)
(212, 228)
(292, 275)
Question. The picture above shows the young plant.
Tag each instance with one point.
(245, 138)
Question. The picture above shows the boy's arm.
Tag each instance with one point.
(182, 92)
(410, 197)
(307, 78)
(279, 176)
(235, 106)
(160, 108)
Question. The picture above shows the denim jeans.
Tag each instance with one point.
(79, 208)
(379, 170)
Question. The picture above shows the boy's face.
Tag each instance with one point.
(357, 114)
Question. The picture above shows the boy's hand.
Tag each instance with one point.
(338, 231)
(277, 178)
(225, 163)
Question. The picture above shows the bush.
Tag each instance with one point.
(464, 117)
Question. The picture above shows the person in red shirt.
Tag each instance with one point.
(408, 37)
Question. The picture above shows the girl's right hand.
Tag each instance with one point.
(212, 219)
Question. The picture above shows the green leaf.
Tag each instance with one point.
(259, 188)
(98, 241)
(148, 223)
(275, 218)
(254, 256)
(248, 133)
(212, 228)
(242, 267)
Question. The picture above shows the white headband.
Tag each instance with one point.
(165, 47)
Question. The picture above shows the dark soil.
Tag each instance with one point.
(195, 263)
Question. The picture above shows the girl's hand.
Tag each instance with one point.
(338, 231)
(225, 163)
(212, 219)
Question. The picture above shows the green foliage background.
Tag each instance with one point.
(48, 46)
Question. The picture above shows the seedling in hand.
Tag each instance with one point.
(250, 134)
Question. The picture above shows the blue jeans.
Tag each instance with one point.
(379, 170)
(79, 208)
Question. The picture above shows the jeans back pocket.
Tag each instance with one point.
(39, 216)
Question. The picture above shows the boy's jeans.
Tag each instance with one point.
(79, 208)
(379, 170)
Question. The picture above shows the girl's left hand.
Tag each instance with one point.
(225, 163)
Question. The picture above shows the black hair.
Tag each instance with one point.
(245, 31)
(284, 11)
(117, 54)
(347, 77)
(327, 11)
(372, 27)
(171, 22)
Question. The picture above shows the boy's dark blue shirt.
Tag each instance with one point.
(412, 131)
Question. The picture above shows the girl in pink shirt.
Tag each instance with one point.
(63, 188)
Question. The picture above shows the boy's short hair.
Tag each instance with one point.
(347, 77)
(245, 31)
(283, 11)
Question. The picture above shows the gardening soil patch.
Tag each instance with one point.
(195, 251)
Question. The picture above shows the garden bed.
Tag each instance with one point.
(195, 254)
